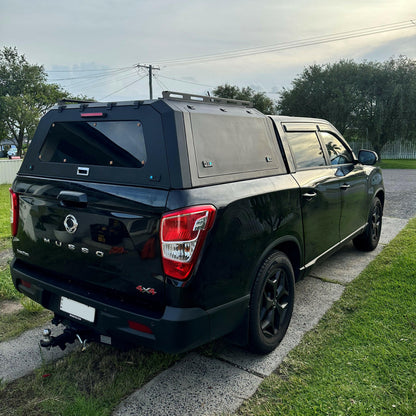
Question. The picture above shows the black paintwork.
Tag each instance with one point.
(116, 248)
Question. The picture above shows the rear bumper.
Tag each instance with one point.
(176, 330)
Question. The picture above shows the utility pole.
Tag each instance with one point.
(150, 69)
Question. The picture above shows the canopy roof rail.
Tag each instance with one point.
(181, 96)
(74, 101)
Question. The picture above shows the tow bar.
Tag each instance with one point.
(67, 337)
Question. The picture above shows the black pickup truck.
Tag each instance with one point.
(172, 222)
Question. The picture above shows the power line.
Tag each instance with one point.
(99, 77)
(238, 53)
(85, 77)
(101, 81)
(187, 82)
(86, 70)
(88, 79)
(123, 88)
(92, 76)
(295, 44)
(161, 84)
(291, 44)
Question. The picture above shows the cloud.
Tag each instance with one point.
(106, 34)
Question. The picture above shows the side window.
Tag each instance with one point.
(306, 150)
(338, 153)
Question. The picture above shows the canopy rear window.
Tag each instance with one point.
(102, 143)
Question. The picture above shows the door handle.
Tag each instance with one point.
(309, 195)
(72, 199)
(345, 186)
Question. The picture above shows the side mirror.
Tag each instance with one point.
(367, 157)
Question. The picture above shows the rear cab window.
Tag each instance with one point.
(306, 149)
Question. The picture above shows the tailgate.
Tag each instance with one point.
(103, 238)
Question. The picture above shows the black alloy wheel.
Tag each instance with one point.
(271, 303)
(375, 227)
(368, 240)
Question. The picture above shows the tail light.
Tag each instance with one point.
(182, 235)
(14, 212)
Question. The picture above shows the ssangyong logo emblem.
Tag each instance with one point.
(70, 223)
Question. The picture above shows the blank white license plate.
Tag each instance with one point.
(77, 310)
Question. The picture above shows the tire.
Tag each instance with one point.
(271, 303)
(368, 240)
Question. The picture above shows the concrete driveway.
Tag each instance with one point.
(198, 385)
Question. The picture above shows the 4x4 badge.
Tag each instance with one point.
(70, 223)
(148, 290)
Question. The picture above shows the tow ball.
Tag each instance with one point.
(67, 337)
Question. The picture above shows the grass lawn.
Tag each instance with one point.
(7, 289)
(85, 383)
(5, 239)
(13, 324)
(398, 164)
(33, 314)
(360, 360)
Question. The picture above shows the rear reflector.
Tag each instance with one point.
(14, 211)
(93, 114)
(140, 327)
(26, 284)
(182, 235)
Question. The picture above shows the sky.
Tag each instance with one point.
(93, 47)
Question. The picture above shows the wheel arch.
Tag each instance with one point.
(288, 245)
(380, 195)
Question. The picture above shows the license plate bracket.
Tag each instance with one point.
(77, 310)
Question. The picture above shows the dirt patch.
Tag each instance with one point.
(10, 306)
(5, 256)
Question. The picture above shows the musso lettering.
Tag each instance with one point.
(72, 247)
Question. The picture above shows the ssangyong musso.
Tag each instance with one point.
(172, 222)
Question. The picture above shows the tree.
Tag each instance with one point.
(388, 107)
(324, 91)
(25, 96)
(374, 100)
(259, 99)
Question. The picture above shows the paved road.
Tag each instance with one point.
(400, 187)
